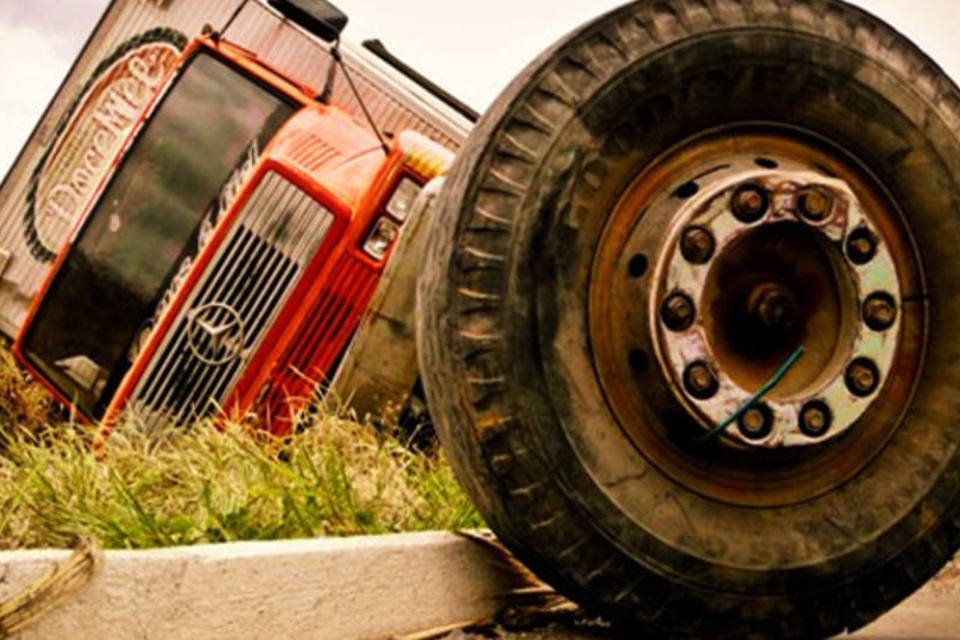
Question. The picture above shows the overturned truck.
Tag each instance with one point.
(224, 225)
(683, 316)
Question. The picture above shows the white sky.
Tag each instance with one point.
(472, 48)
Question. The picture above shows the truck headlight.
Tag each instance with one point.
(403, 198)
(379, 241)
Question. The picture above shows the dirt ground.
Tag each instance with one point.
(930, 614)
(580, 632)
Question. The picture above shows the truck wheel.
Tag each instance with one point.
(680, 205)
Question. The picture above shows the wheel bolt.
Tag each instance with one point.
(697, 245)
(756, 423)
(700, 381)
(815, 419)
(862, 377)
(861, 246)
(814, 205)
(678, 312)
(749, 203)
(880, 311)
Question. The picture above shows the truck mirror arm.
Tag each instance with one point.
(233, 17)
(328, 89)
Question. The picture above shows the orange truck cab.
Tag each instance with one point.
(231, 252)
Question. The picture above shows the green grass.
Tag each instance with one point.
(202, 485)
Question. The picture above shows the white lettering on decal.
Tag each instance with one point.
(111, 120)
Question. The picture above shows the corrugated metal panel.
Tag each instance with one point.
(395, 102)
(233, 306)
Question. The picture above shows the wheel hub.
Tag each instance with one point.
(753, 244)
(754, 269)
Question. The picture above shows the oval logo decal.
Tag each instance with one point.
(90, 135)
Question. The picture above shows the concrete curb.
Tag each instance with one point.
(343, 589)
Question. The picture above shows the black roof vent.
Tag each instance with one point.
(319, 17)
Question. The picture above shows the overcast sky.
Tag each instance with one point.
(472, 48)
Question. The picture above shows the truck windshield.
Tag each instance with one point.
(146, 224)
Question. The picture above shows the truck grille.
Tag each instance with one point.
(234, 304)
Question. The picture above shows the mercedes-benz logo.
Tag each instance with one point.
(215, 333)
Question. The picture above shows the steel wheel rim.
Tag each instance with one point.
(628, 351)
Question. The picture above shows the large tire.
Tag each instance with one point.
(506, 353)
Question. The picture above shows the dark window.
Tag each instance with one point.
(145, 224)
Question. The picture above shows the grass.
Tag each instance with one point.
(203, 485)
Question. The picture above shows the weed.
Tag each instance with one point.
(203, 484)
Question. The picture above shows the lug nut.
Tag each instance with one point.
(697, 245)
(700, 381)
(749, 203)
(880, 311)
(678, 312)
(756, 423)
(815, 419)
(861, 246)
(862, 377)
(814, 205)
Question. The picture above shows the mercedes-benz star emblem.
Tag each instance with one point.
(215, 334)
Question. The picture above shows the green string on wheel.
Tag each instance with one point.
(766, 388)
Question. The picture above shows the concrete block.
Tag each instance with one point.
(341, 589)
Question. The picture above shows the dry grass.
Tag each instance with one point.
(23, 403)
(200, 485)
